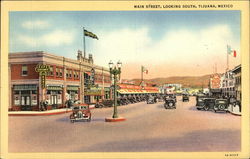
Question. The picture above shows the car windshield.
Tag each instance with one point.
(84, 107)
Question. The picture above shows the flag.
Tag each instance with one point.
(144, 69)
(90, 34)
(229, 51)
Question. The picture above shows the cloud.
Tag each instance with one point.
(177, 47)
(36, 24)
(54, 38)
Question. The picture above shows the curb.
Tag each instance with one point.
(235, 114)
(41, 114)
(114, 119)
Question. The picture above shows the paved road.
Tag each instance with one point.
(148, 128)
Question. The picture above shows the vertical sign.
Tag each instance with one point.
(43, 70)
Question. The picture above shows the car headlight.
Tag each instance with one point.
(75, 115)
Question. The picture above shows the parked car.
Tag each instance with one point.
(221, 105)
(170, 103)
(151, 100)
(205, 103)
(185, 98)
(80, 112)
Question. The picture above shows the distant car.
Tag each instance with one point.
(151, 100)
(185, 98)
(205, 103)
(221, 105)
(170, 103)
(80, 112)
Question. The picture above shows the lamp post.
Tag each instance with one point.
(115, 73)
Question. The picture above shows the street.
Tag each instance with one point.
(148, 128)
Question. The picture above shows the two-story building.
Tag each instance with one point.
(67, 79)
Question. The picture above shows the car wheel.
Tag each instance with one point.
(165, 105)
(89, 119)
(206, 108)
(198, 108)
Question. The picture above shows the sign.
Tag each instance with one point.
(42, 70)
(92, 77)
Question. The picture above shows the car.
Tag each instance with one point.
(205, 103)
(80, 112)
(151, 100)
(221, 105)
(170, 103)
(185, 98)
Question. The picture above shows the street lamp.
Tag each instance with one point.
(115, 72)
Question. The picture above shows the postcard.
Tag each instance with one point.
(125, 79)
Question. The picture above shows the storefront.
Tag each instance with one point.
(93, 95)
(25, 97)
(54, 96)
(72, 92)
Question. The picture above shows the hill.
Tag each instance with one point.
(186, 81)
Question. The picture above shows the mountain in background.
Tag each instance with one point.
(186, 81)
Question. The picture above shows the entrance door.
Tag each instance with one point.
(54, 99)
(25, 102)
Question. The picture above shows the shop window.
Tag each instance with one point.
(24, 70)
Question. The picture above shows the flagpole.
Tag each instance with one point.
(227, 62)
(141, 74)
(84, 47)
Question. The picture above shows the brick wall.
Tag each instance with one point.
(16, 72)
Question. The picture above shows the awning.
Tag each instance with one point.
(72, 88)
(135, 91)
(54, 88)
(25, 87)
(93, 92)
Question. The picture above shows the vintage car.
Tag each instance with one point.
(151, 100)
(80, 112)
(185, 98)
(221, 105)
(170, 103)
(205, 103)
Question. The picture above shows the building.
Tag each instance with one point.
(237, 80)
(227, 84)
(170, 88)
(67, 79)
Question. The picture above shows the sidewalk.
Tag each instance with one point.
(41, 113)
(234, 110)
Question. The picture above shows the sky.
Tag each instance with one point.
(167, 43)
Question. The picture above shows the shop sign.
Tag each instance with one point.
(93, 92)
(42, 70)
